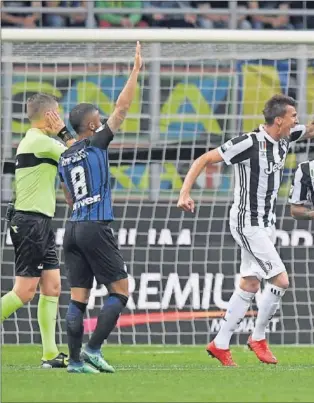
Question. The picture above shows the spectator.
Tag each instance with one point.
(120, 20)
(211, 21)
(21, 20)
(268, 21)
(64, 20)
(162, 20)
(303, 22)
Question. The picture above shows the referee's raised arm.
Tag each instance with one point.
(36, 260)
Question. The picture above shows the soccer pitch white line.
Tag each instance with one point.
(153, 352)
(177, 368)
(210, 368)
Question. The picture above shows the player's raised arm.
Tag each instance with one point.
(127, 95)
(232, 152)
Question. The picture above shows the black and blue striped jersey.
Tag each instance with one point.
(84, 169)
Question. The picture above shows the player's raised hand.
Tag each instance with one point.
(54, 122)
(138, 61)
(186, 203)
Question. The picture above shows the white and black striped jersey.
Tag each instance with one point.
(259, 162)
(302, 188)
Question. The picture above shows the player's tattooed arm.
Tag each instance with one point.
(300, 212)
(127, 95)
(185, 202)
(116, 119)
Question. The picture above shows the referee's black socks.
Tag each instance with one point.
(107, 319)
(75, 328)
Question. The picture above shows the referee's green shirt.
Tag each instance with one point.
(35, 172)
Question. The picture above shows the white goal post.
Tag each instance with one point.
(198, 88)
(93, 35)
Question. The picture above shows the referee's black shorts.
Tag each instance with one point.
(34, 244)
(90, 250)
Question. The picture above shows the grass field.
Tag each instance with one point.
(162, 374)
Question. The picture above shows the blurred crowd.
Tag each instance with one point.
(160, 19)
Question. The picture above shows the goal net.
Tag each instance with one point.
(191, 97)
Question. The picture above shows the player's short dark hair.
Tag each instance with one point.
(276, 106)
(79, 113)
(39, 103)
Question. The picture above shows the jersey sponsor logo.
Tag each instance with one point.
(86, 202)
(78, 156)
(272, 168)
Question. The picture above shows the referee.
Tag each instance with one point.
(36, 260)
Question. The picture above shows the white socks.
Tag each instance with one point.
(237, 308)
(267, 308)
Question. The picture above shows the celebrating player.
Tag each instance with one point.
(89, 246)
(33, 239)
(302, 192)
(259, 159)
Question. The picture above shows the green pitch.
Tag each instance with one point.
(162, 374)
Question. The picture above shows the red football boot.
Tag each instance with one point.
(224, 356)
(262, 351)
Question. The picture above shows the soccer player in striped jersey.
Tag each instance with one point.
(301, 195)
(259, 159)
(90, 249)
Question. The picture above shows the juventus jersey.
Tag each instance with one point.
(302, 189)
(259, 162)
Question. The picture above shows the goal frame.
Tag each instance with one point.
(154, 37)
(157, 35)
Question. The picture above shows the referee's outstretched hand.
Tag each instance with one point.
(138, 61)
(186, 203)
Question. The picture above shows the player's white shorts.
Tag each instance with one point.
(259, 257)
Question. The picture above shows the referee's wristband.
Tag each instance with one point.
(65, 135)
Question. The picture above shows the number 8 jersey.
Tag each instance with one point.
(84, 169)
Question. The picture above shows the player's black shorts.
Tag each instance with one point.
(90, 250)
(34, 244)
